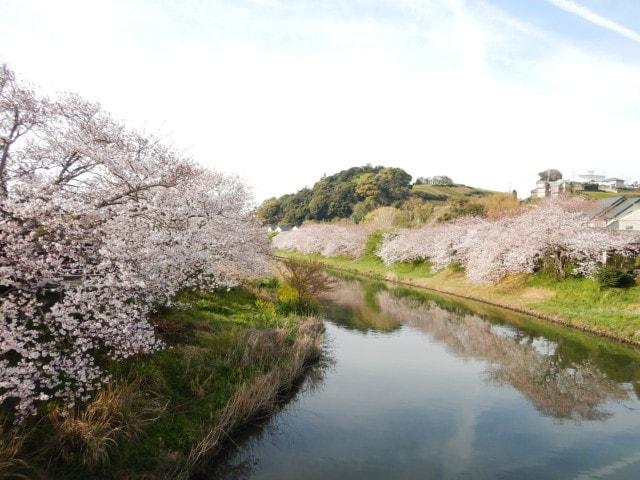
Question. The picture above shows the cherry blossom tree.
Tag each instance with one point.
(327, 239)
(490, 250)
(99, 226)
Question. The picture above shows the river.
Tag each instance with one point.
(422, 386)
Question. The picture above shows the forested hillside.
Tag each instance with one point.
(353, 191)
(358, 191)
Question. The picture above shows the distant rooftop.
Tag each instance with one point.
(610, 208)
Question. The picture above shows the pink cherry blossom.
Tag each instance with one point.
(99, 226)
(328, 239)
(491, 250)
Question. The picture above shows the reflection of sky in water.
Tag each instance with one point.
(450, 395)
(504, 331)
(541, 345)
(544, 346)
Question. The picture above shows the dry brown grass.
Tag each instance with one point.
(261, 395)
(512, 284)
(11, 440)
(199, 386)
(499, 205)
(118, 411)
(262, 347)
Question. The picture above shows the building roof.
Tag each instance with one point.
(615, 207)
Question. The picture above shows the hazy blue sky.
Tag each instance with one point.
(280, 92)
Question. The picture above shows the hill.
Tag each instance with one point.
(356, 192)
(445, 193)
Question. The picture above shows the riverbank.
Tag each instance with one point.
(575, 302)
(230, 358)
(545, 401)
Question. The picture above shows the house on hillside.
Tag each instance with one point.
(613, 183)
(591, 177)
(617, 213)
(594, 182)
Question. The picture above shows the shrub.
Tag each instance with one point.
(270, 283)
(383, 217)
(622, 262)
(414, 213)
(307, 278)
(463, 208)
(500, 205)
(303, 280)
(612, 277)
(287, 294)
(362, 209)
(456, 267)
(289, 301)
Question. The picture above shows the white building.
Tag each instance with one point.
(612, 183)
(618, 213)
(591, 177)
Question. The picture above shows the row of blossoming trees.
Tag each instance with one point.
(553, 231)
(99, 226)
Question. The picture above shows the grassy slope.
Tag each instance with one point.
(452, 192)
(578, 302)
(196, 378)
(601, 195)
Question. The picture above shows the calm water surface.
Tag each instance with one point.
(418, 386)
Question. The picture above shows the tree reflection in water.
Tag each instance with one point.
(557, 387)
(564, 374)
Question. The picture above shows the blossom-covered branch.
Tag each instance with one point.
(328, 239)
(100, 225)
(490, 250)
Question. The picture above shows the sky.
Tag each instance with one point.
(280, 92)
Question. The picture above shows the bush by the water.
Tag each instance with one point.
(612, 277)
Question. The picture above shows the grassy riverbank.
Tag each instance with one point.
(577, 302)
(231, 358)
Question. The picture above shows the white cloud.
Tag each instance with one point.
(283, 97)
(596, 19)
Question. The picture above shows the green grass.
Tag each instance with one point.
(582, 299)
(449, 192)
(371, 266)
(369, 263)
(196, 377)
(599, 195)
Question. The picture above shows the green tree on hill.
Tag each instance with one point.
(336, 196)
